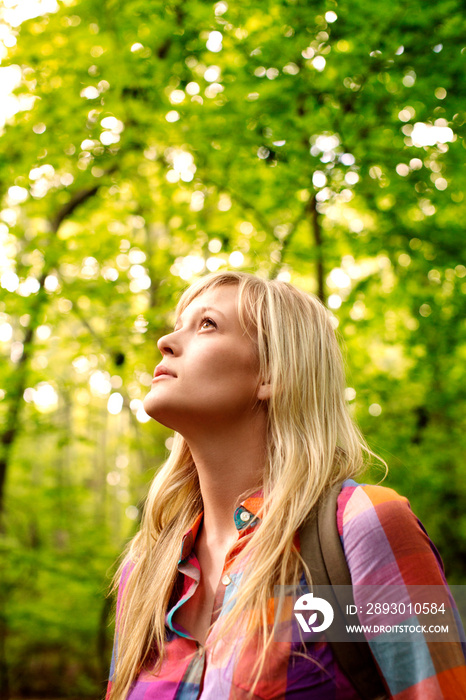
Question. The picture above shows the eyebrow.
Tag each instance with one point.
(202, 310)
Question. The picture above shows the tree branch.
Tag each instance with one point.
(12, 427)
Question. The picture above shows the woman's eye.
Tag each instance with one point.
(208, 320)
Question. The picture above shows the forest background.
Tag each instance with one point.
(146, 143)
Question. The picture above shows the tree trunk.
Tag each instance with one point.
(319, 255)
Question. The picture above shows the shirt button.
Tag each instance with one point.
(245, 516)
(226, 580)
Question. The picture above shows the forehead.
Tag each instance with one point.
(224, 298)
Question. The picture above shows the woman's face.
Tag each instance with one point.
(213, 366)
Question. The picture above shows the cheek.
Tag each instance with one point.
(236, 369)
(219, 360)
(222, 373)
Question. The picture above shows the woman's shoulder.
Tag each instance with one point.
(380, 532)
(358, 501)
(126, 569)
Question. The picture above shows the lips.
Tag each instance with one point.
(161, 369)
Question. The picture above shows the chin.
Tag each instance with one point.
(155, 411)
(148, 406)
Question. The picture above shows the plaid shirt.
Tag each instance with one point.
(384, 542)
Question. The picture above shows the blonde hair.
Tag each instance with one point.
(312, 444)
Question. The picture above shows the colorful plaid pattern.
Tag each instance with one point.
(384, 543)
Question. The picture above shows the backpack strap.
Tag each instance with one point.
(322, 551)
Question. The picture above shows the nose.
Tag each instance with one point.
(165, 344)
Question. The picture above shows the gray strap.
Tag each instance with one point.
(322, 551)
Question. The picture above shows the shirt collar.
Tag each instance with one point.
(245, 516)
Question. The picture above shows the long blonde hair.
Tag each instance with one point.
(312, 444)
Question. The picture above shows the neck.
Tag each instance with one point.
(230, 460)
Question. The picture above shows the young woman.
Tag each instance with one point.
(251, 380)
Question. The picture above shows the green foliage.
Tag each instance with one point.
(144, 158)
